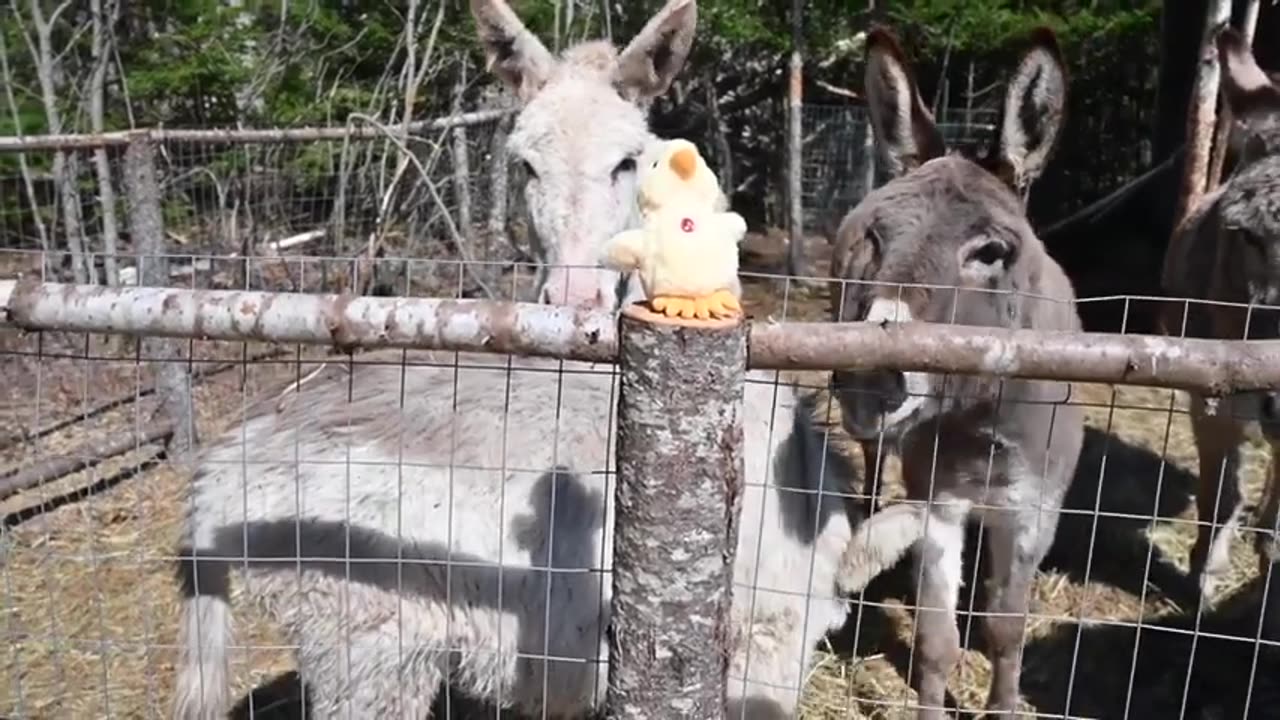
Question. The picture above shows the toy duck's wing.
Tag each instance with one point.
(624, 251)
(733, 225)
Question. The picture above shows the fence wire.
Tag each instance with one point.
(351, 474)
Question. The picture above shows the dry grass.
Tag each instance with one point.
(90, 605)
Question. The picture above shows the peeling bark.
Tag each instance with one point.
(680, 475)
(120, 138)
(1203, 365)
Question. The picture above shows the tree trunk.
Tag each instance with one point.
(678, 502)
(146, 226)
(6, 79)
(462, 163)
(1202, 112)
(797, 263)
(66, 168)
(102, 23)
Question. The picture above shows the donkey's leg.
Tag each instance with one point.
(1218, 499)
(873, 452)
(1015, 546)
(1267, 543)
(939, 562)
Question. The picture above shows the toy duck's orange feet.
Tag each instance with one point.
(722, 303)
(673, 306)
(719, 304)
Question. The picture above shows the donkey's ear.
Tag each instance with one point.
(655, 55)
(511, 52)
(1034, 105)
(1247, 88)
(905, 133)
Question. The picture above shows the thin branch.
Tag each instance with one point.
(456, 236)
(86, 141)
(6, 77)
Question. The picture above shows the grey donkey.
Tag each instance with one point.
(946, 240)
(1228, 251)
(450, 519)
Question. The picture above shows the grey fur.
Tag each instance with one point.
(1003, 451)
(366, 502)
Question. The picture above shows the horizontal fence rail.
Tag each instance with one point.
(1215, 367)
(87, 141)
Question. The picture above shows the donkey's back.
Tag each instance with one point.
(397, 518)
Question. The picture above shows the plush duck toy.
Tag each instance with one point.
(686, 249)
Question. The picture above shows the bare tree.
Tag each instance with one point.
(6, 79)
(103, 24)
(49, 73)
(1200, 118)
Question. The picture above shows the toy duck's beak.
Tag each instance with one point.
(684, 162)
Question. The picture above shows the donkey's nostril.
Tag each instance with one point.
(892, 391)
(1271, 407)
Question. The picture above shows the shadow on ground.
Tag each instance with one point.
(1101, 669)
(282, 699)
(1106, 511)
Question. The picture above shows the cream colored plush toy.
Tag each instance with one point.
(686, 249)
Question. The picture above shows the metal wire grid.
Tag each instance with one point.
(837, 153)
(1221, 633)
(320, 197)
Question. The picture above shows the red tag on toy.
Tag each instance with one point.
(686, 224)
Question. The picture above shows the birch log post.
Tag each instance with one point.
(678, 502)
(146, 226)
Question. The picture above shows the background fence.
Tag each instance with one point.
(337, 193)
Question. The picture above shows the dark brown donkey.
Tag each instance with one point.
(1228, 251)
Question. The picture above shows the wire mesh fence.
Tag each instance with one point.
(378, 494)
(838, 161)
(440, 191)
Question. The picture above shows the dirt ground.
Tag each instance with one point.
(89, 603)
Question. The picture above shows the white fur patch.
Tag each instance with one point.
(888, 310)
(916, 384)
(945, 535)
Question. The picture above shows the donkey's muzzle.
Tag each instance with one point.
(867, 397)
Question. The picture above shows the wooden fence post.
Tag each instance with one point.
(678, 500)
(146, 228)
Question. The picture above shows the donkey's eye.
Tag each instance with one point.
(990, 253)
(627, 165)
(528, 169)
(872, 236)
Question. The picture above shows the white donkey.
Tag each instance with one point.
(449, 519)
